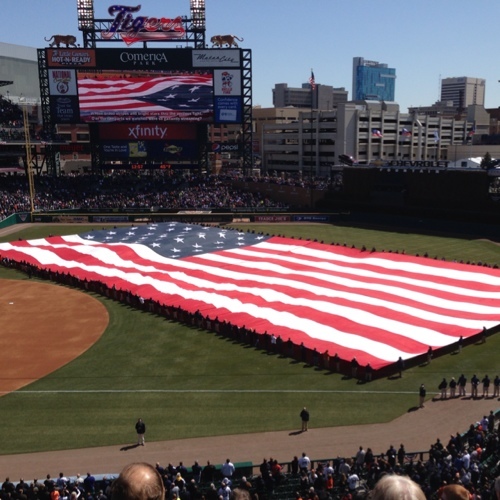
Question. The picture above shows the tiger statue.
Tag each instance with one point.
(221, 40)
(68, 40)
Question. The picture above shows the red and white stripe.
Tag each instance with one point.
(375, 306)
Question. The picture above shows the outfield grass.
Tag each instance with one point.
(185, 382)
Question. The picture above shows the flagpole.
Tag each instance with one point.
(313, 86)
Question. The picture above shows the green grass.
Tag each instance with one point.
(181, 370)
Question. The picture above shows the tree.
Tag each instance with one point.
(487, 161)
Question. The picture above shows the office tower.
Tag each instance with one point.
(463, 91)
(372, 81)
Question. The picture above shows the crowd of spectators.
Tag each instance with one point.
(294, 179)
(127, 190)
(469, 460)
(11, 115)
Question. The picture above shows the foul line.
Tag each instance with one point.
(203, 391)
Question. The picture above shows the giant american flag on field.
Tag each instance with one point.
(376, 306)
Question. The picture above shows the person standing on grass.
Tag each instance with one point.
(462, 382)
(486, 386)
(422, 393)
(304, 416)
(496, 387)
(474, 382)
(140, 428)
(443, 387)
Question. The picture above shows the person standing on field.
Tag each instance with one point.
(140, 428)
(422, 393)
(304, 415)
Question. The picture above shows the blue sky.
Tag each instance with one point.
(425, 40)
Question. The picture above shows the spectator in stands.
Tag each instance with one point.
(497, 487)
(89, 483)
(304, 462)
(241, 494)
(227, 469)
(196, 470)
(453, 492)
(393, 487)
(401, 454)
(360, 458)
(208, 473)
(138, 481)
(224, 491)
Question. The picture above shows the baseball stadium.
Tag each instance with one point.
(248, 334)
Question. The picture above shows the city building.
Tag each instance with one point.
(463, 91)
(265, 116)
(19, 72)
(439, 108)
(371, 133)
(372, 81)
(323, 97)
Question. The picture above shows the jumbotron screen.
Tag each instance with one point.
(115, 96)
(145, 85)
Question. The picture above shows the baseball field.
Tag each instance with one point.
(79, 369)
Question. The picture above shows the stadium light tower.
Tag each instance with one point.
(85, 9)
(198, 13)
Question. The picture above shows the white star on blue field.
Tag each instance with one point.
(176, 240)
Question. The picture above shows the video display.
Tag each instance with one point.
(139, 96)
(145, 85)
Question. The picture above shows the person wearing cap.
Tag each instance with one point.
(224, 491)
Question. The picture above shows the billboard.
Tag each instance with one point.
(125, 85)
(149, 145)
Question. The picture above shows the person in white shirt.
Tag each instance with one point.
(227, 469)
(304, 462)
(360, 458)
(353, 481)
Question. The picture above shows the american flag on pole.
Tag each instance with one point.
(375, 306)
(377, 133)
(312, 80)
